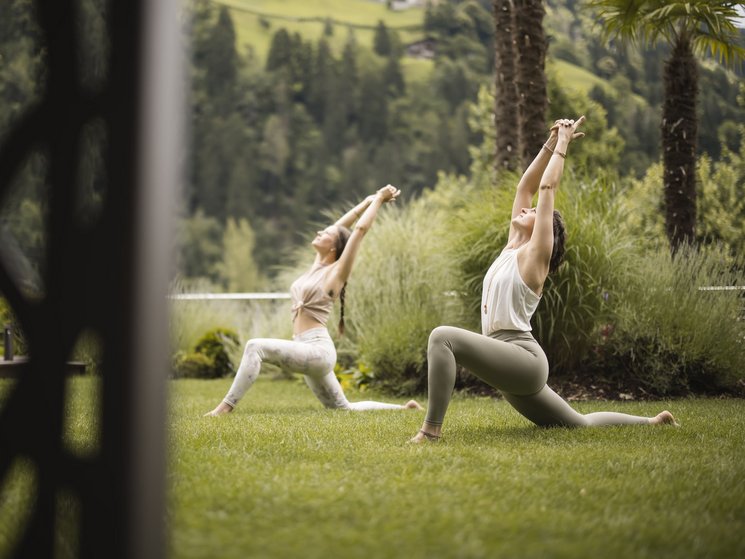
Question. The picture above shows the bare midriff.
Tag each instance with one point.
(304, 322)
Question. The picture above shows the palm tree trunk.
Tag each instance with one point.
(679, 131)
(531, 77)
(505, 99)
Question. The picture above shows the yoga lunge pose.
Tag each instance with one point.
(311, 351)
(505, 355)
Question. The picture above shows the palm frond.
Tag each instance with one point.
(726, 52)
(648, 21)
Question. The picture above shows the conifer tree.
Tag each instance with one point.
(382, 39)
(349, 80)
(373, 119)
(221, 57)
(322, 80)
(394, 77)
(279, 50)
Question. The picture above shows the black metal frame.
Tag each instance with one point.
(102, 277)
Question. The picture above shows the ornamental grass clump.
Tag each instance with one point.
(576, 298)
(401, 289)
(680, 324)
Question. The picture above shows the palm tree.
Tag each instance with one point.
(530, 46)
(690, 28)
(505, 98)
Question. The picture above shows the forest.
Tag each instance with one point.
(311, 127)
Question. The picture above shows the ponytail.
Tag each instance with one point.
(559, 248)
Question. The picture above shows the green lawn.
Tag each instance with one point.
(281, 477)
(284, 478)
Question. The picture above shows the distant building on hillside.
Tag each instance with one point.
(425, 48)
(398, 5)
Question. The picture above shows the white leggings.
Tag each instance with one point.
(311, 353)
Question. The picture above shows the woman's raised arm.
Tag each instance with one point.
(529, 182)
(343, 266)
(542, 240)
(348, 219)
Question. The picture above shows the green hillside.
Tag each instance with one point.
(257, 20)
(576, 78)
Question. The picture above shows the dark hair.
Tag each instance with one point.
(341, 242)
(341, 239)
(560, 236)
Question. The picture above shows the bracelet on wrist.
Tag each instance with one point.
(548, 149)
(563, 155)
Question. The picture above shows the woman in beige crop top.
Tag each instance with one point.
(311, 350)
(505, 355)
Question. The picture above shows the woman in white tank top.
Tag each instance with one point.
(505, 355)
(311, 350)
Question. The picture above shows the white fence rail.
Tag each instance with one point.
(278, 295)
(227, 296)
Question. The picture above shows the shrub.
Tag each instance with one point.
(399, 292)
(575, 298)
(250, 319)
(210, 358)
(217, 345)
(673, 336)
(192, 365)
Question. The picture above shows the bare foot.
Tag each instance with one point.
(413, 405)
(221, 409)
(664, 418)
(423, 436)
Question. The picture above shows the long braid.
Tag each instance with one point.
(341, 243)
(341, 298)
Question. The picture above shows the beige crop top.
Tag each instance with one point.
(307, 294)
(507, 303)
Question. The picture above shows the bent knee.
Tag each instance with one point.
(440, 336)
(252, 346)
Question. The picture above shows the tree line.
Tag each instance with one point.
(282, 140)
(277, 142)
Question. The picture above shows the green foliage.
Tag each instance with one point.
(382, 41)
(218, 345)
(356, 377)
(575, 297)
(721, 209)
(399, 292)
(464, 31)
(323, 118)
(199, 250)
(190, 319)
(211, 357)
(669, 333)
(237, 268)
(7, 317)
(575, 301)
(603, 147)
(708, 24)
(192, 365)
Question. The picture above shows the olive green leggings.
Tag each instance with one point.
(512, 362)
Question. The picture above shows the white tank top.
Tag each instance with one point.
(507, 303)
